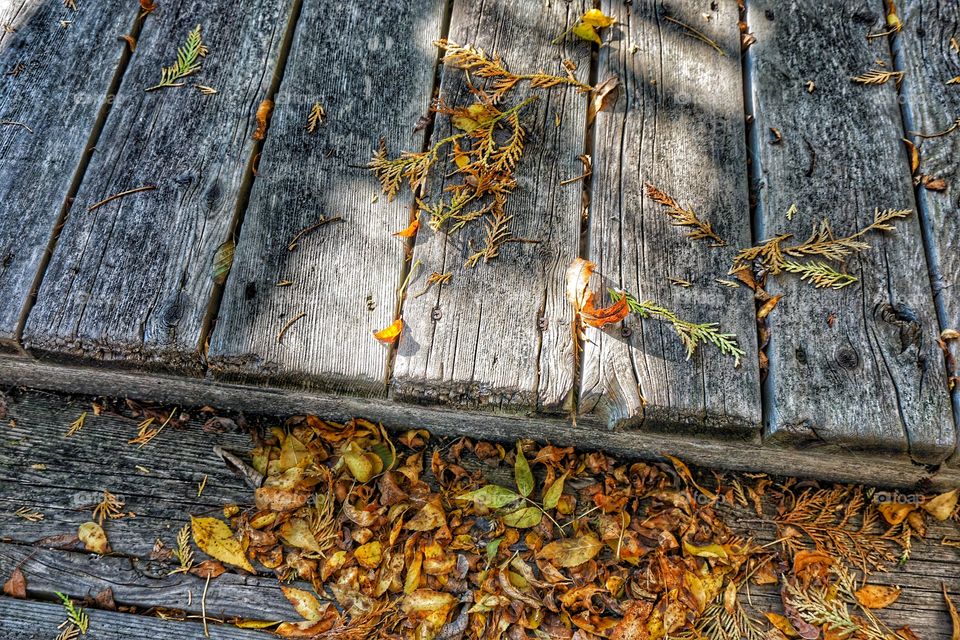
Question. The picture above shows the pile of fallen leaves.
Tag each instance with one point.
(424, 539)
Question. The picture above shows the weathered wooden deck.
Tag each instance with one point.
(62, 478)
(121, 299)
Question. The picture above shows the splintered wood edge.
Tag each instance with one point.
(589, 432)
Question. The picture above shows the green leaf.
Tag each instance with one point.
(552, 495)
(492, 496)
(522, 473)
(523, 518)
(492, 547)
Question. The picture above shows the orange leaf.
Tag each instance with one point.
(390, 333)
(411, 230)
(877, 596)
(608, 315)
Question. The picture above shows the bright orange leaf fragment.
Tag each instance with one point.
(411, 230)
(390, 333)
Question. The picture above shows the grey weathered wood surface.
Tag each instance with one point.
(57, 96)
(63, 478)
(874, 379)
(678, 125)
(925, 52)
(29, 620)
(498, 334)
(817, 461)
(131, 281)
(345, 275)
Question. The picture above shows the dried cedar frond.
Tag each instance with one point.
(699, 230)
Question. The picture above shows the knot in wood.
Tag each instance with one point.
(436, 314)
(847, 358)
(542, 323)
(171, 317)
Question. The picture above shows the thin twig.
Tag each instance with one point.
(699, 35)
(203, 607)
(292, 245)
(149, 187)
(15, 123)
(287, 326)
(950, 129)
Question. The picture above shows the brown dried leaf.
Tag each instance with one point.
(263, 119)
(16, 585)
(209, 569)
(571, 552)
(954, 616)
(914, 155)
(943, 506)
(605, 96)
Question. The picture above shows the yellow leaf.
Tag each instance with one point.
(390, 333)
(93, 538)
(424, 601)
(304, 602)
(782, 624)
(706, 551)
(522, 473)
(596, 18)
(954, 616)
(430, 517)
(293, 453)
(217, 541)
(412, 582)
(363, 465)
(572, 552)
(895, 512)
(587, 32)
(369, 555)
(523, 518)
(297, 533)
(877, 596)
(943, 506)
(255, 624)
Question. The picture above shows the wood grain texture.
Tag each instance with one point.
(678, 124)
(875, 378)
(56, 95)
(498, 335)
(821, 460)
(131, 281)
(930, 105)
(28, 620)
(345, 275)
(63, 478)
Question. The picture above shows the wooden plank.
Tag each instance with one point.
(344, 275)
(27, 620)
(498, 335)
(131, 281)
(871, 378)
(825, 461)
(63, 478)
(57, 97)
(927, 50)
(145, 584)
(677, 125)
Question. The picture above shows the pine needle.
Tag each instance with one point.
(953, 127)
(691, 334)
(681, 217)
(93, 207)
(699, 35)
(819, 274)
(286, 327)
(188, 61)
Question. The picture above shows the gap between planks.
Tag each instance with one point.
(103, 113)
(246, 186)
(406, 265)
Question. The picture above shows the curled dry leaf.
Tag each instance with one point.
(305, 603)
(954, 616)
(16, 585)
(263, 119)
(943, 506)
(411, 229)
(93, 538)
(599, 318)
(914, 155)
(605, 96)
(877, 596)
(215, 539)
(895, 512)
(390, 333)
(209, 569)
